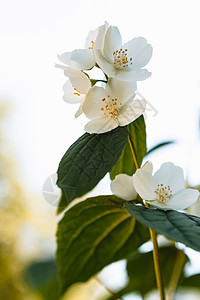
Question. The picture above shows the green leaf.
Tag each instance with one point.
(41, 276)
(180, 227)
(137, 134)
(87, 161)
(191, 282)
(93, 234)
(160, 145)
(141, 273)
(64, 199)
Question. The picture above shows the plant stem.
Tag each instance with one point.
(159, 280)
(115, 296)
(133, 153)
(153, 237)
(93, 81)
(176, 274)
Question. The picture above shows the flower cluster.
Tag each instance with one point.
(111, 101)
(164, 189)
(114, 102)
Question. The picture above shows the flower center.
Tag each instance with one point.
(111, 108)
(92, 45)
(76, 92)
(163, 193)
(120, 59)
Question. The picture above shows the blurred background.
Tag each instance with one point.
(37, 126)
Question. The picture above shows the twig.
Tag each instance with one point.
(114, 295)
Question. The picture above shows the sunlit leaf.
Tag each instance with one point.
(93, 234)
(126, 164)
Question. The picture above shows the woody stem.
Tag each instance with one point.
(152, 235)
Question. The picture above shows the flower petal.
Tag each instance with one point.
(104, 64)
(140, 52)
(122, 186)
(80, 110)
(113, 42)
(70, 95)
(135, 75)
(91, 37)
(143, 57)
(158, 204)
(131, 112)
(99, 43)
(122, 90)
(79, 80)
(148, 166)
(183, 199)
(92, 106)
(144, 184)
(171, 175)
(84, 57)
(179, 201)
(66, 59)
(101, 125)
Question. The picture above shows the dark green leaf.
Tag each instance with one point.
(141, 273)
(191, 282)
(41, 276)
(141, 269)
(87, 161)
(137, 134)
(180, 227)
(93, 234)
(159, 146)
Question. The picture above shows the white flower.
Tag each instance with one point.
(83, 59)
(76, 87)
(112, 107)
(124, 62)
(122, 186)
(164, 189)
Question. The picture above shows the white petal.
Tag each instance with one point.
(70, 95)
(91, 37)
(143, 58)
(171, 175)
(144, 184)
(113, 42)
(99, 43)
(79, 111)
(148, 167)
(122, 186)
(79, 80)
(139, 51)
(135, 75)
(104, 64)
(122, 90)
(131, 112)
(66, 59)
(183, 199)
(72, 72)
(158, 204)
(84, 57)
(101, 125)
(93, 103)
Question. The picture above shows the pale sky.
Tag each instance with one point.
(41, 126)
